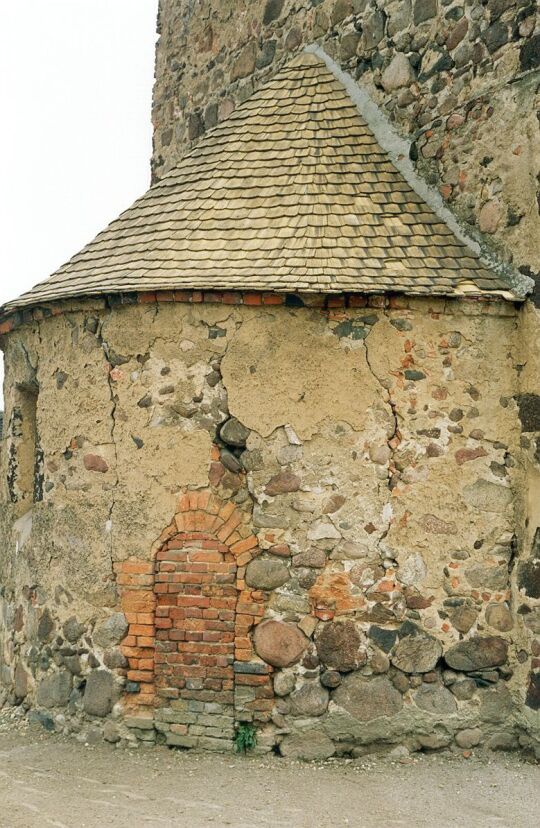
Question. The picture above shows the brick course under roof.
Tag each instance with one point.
(291, 193)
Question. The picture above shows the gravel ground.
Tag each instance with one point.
(47, 780)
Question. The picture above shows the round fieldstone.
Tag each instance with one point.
(230, 461)
(45, 626)
(424, 10)
(477, 653)
(72, 630)
(95, 463)
(111, 631)
(397, 74)
(463, 618)
(499, 617)
(110, 733)
(333, 504)
(331, 679)
(348, 45)
(400, 681)
(98, 694)
(338, 646)
(435, 699)
(434, 741)
(484, 577)
(278, 643)
(379, 662)
(416, 653)
(266, 55)
(73, 664)
(266, 573)
(272, 11)
(532, 620)
(487, 496)
(503, 741)
(55, 690)
(282, 550)
(469, 738)
(309, 700)
(464, 689)
(244, 64)
(282, 483)
(305, 577)
(20, 682)
(36, 717)
(311, 558)
(367, 699)
(284, 683)
(234, 433)
(308, 746)
(496, 704)
(114, 659)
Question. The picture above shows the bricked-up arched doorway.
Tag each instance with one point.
(196, 596)
(200, 672)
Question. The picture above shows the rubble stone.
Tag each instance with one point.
(367, 699)
(477, 653)
(339, 646)
(278, 643)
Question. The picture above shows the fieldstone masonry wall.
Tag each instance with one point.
(316, 516)
(338, 488)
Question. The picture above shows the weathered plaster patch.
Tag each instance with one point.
(316, 380)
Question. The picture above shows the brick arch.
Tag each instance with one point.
(205, 512)
(191, 664)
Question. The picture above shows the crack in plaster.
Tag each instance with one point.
(391, 442)
(114, 403)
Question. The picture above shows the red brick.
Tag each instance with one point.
(6, 327)
(336, 302)
(357, 301)
(230, 298)
(140, 675)
(145, 641)
(229, 526)
(163, 623)
(137, 652)
(182, 296)
(227, 510)
(137, 567)
(248, 680)
(138, 601)
(244, 545)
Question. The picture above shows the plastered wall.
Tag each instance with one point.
(382, 457)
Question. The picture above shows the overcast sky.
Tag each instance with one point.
(75, 134)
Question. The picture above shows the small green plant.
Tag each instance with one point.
(245, 738)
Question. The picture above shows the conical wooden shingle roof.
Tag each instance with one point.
(291, 193)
